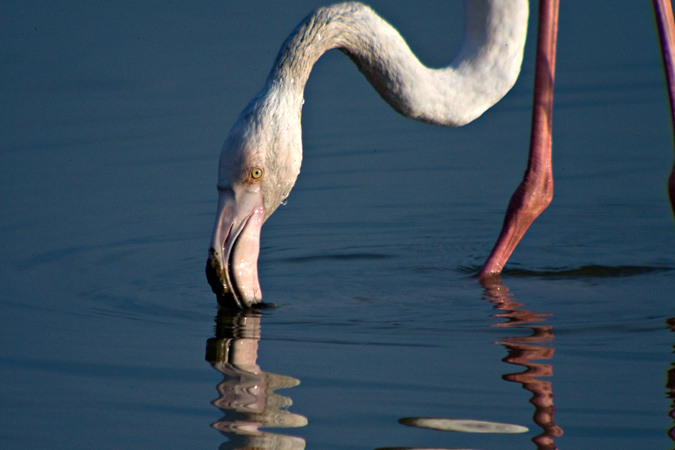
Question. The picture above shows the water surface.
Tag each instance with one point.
(112, 119)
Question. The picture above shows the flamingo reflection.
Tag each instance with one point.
(246, 394)
(522, 351)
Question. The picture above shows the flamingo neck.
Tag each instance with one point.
(485, 68)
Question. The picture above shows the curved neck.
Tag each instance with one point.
(485, 68)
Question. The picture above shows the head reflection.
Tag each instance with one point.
(523, 351)
(246, 394)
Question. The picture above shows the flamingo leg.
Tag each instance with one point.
(535, 192)
(664, 21)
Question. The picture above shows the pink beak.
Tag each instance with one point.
(232, 267)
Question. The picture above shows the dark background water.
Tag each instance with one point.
(112, 117)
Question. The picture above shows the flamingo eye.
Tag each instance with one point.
(256, 173)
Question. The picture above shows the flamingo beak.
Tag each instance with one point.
(232, 266)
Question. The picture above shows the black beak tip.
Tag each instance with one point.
(213, 278)
(228, 301)
(224, 297)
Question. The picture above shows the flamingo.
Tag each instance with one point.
(261, 157)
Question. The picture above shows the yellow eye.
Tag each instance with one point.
(256, 173)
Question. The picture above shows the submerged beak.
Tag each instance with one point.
(232, 267)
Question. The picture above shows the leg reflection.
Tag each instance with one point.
(670, 385)
(522, 351)
(246, 394)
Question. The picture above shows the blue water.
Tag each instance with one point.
(112, 117)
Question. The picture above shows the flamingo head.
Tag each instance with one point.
(259, 164)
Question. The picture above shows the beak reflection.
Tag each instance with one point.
(246, 396)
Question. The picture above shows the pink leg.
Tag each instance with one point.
(664, 21)
(535, 192)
